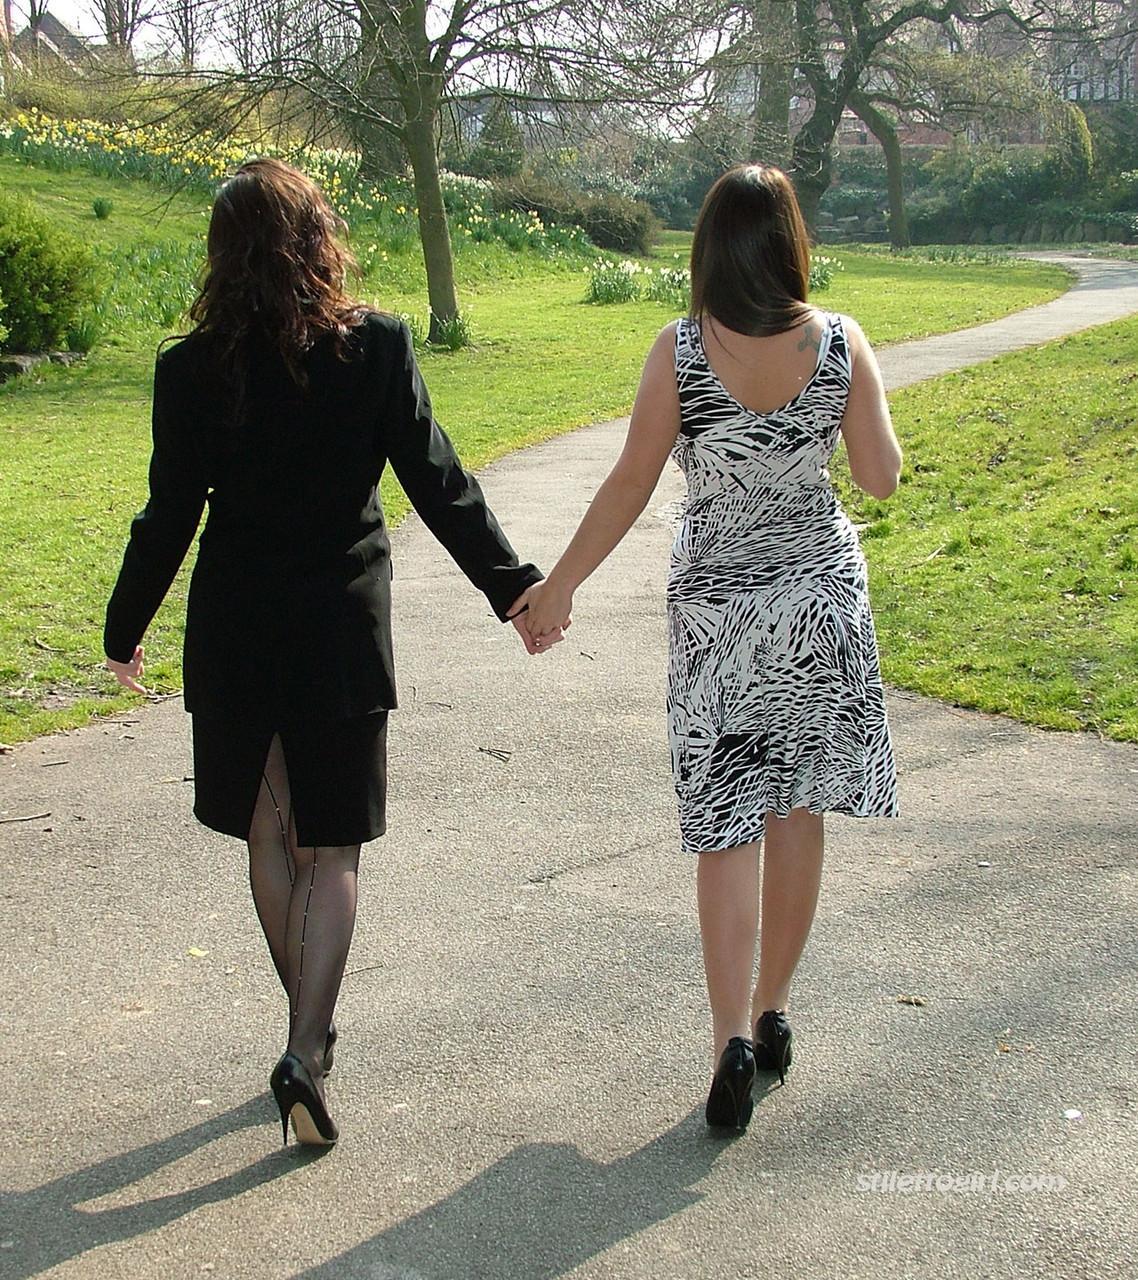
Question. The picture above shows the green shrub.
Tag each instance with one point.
(847, 200)
(46, 277)
(102, 207)
(615, 222)
(57, 91)
(610, 221)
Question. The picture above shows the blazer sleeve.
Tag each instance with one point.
(447, 497)
(160, 535)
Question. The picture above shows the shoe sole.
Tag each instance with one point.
(305, 1128)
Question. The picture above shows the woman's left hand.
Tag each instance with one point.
(128, 674)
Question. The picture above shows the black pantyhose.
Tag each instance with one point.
(306, 902)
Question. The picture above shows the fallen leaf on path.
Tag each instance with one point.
(915, 1000)
(197, 953)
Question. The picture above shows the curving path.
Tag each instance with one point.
(1104, 290)
(522, 1062)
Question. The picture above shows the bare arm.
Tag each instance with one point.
(624, 494)
(871, 446)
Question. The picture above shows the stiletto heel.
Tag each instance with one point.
(773, 1039)
(298, 1100)
(729, 1103)
(330, 1047)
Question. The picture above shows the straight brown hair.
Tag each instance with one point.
(750, 255)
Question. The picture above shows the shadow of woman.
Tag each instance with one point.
(540, 1211)
(44, 1226)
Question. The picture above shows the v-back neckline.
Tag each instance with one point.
(823, 351)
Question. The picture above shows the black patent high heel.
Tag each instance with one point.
(298, 1100)
(773, 1039)
(330, 1047)
(729, 1103)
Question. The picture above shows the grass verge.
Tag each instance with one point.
(1005, 570)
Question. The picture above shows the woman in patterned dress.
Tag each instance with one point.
(776, 712)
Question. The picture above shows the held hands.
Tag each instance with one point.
(128, 674)
(542, 615)
(517, 615)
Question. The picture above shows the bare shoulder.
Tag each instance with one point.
(666, 338)
(662, 356)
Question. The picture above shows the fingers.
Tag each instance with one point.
(520, 605)
(537, 644)
(128, 674)
(544, 642)
(526, 638)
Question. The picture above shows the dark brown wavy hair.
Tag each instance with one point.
(750, 255)
(276, 267)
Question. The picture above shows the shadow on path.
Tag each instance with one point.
(539, 1212)
(45, 1226)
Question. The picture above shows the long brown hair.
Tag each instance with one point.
(276, 267)
(750, 255)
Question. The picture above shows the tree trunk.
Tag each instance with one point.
(419, 135)
(882, 129)
(811, 165)
(770, 142)
(770, 138)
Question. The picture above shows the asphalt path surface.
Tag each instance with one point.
(524, 1048)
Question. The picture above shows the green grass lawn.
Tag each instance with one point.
(74, 443)
(1004, 571)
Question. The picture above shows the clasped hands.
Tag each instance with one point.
(541, 615)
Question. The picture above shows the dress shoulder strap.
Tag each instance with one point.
(689, 348)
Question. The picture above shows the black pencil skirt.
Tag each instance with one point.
(337, 775)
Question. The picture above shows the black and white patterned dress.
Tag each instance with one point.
(774, 690)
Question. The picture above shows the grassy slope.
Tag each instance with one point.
(1005, 571)
(75, 443)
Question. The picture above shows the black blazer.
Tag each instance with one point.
(289, 613)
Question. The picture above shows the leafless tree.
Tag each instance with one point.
(385, 70)
(33, 9)
(186, 25)
(120, 21)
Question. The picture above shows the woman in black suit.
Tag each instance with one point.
(280, 409)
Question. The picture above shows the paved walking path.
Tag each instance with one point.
(524, 1049)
